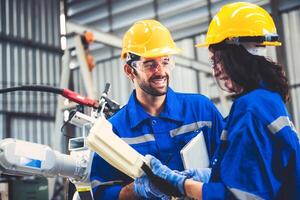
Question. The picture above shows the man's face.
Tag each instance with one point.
(152, 75)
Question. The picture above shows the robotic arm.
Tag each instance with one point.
(24, 158)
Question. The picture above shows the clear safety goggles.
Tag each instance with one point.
(151, 65)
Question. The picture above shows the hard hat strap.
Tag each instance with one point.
(130, 57)
(254, 39)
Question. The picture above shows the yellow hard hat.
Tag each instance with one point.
(242, 19)
(148, 38)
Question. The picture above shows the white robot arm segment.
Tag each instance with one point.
(25, 158)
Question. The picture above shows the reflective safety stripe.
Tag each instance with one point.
(189, 127)
(280, 123)
(242, 195)
(139, 139)
(96, 183)
(224, 135)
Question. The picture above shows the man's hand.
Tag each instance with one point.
(127, 193)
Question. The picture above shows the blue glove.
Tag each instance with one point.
(198, 174)
(143, 188)
(167, 174)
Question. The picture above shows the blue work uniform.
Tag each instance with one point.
(163, 136)
(259, 155)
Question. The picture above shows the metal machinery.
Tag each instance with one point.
(24, 158)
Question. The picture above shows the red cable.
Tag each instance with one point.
(73, 96)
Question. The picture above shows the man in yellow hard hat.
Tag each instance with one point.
(156, 120)
(259, 154)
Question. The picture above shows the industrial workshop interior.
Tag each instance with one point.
(149, 99)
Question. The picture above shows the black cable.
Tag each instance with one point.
(71, 114)
(40, 88)
(86, 195)
(106, 89)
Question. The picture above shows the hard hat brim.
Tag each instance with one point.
(202, 45)
(275, 43)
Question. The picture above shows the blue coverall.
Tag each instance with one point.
(259, 155)
(182, 118)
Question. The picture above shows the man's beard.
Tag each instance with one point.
(146, 87)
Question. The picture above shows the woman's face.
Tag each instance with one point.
(223, 80)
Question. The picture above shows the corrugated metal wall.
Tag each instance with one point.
(30, 54)
(291, 23)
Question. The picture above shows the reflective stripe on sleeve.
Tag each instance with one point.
(189, 127)
(139, 139)
(280, 123)
(96, 183)
(242, 195)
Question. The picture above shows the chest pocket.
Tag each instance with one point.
(144, 144)
(145, 148)
(184, 138)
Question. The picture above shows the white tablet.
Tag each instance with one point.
(194, 153)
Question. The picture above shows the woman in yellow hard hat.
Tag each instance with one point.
(259, 154)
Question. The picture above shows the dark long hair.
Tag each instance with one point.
(250, 71)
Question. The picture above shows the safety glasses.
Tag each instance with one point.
(152, 64)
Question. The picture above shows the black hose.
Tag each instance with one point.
(40, 88)
(86, 195)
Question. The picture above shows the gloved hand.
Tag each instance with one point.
(198, 174)
(146, 190)
(174, 178)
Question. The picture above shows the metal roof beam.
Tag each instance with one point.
(101, 37)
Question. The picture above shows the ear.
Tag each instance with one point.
(129, 71)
